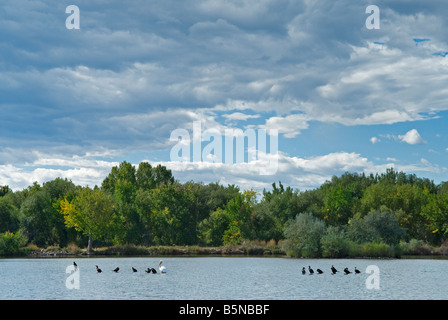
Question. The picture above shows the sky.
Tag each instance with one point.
(336, 95)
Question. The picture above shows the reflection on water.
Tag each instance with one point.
(221, 278)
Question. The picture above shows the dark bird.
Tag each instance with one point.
(116, 269)
(133, 269)
(75, 265)
(303, 270)
(150, 270)
(357, 271)
(98, 269)
(346, 271)
(319, 271)
(333, 269)
(311, 271)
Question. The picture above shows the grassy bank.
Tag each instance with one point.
(413, 248)
(135, 250)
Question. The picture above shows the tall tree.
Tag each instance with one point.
(38, 217)
(436, 214)
(91, 212)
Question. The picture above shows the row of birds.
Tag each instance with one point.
(333, 270)
(161, 268)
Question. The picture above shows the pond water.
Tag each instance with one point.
(205, 278)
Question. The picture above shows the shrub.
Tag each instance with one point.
(303, 235)
(377, 226)
(73, 248)
(416, 247)
(377, 249)
(12, 243)
(335, 243)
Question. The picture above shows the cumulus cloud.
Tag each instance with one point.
(412, 137)
(82, 170)
(290, 125)
(124, 84)
(374, 140)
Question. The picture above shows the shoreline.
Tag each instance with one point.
(130, 250)
(188, 251)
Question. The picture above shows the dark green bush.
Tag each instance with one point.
(12, 243)
(335, 243)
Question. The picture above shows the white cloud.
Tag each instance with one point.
(290, 125)
(282, 64)
(82, 170)
(374, 140)
(412, 137)
(298, 172)
(238, 116)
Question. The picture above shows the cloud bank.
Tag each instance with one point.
(76, 102)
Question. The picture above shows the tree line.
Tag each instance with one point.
(348, 215)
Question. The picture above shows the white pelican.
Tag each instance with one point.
(162, 269)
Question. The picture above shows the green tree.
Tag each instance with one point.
(38, 219)
(339, 202)
(405, 200)
(4, 190)
(213, 196)
(121, 185)
(149, 177)
(241, 213)
(56, 190)
(8, 216)
(436, 214)
(274, 210)
(377, 226)
(161, 175)
(144, 176)
(91, 212)
(167, 214)
(212, 229)
(233, 223)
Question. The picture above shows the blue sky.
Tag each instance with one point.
(342, 97)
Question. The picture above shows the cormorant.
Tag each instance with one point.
(303, 270)
(133, 269)
(333, 269)
(75, 265)
(150, 270)
(319, 271)
(310, 270)
(116, 269)
(346, 271)
(357, 271)
(98, 269)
